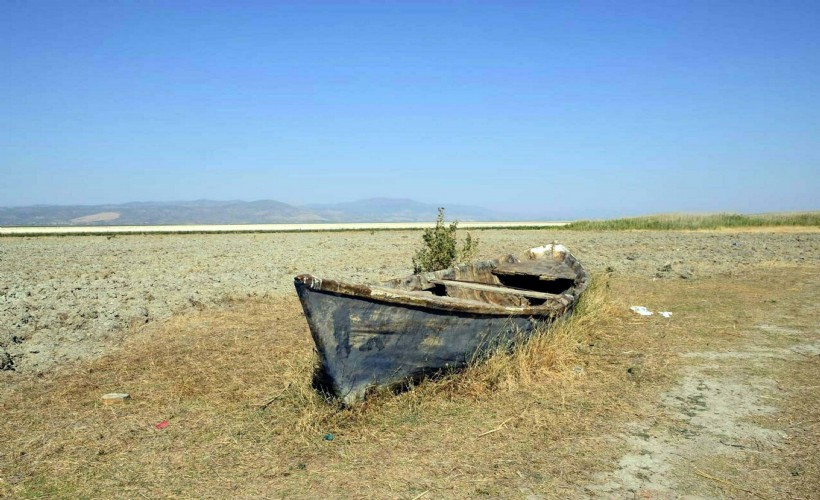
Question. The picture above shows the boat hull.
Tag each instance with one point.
(406, 328)
(365, 342)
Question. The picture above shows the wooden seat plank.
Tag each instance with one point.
(495, 288)
(546, 270)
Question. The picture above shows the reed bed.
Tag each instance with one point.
(695, 222)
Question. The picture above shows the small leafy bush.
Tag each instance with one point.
(441, 249)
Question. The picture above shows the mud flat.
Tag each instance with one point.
(249, 228)
(73, 297)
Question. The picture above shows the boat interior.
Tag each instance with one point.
(505, 282)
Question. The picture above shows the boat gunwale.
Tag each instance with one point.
(418, 299)
(403, 298)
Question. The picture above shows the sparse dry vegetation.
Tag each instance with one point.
(234, 384)
(241, 409)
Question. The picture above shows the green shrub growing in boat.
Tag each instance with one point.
(441, 249)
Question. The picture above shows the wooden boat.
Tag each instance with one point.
(406, 328)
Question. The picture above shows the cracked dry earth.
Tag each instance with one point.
(725, 430)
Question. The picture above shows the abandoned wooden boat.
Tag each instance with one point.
(369, 336)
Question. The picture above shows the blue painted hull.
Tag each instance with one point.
(364, 343)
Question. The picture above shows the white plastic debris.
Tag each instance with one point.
(643, 311)
(115, 397)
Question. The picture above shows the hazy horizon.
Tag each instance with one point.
(591, 109)
(451, 210)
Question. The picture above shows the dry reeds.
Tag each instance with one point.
(699, 221)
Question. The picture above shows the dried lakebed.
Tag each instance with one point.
(69, 298)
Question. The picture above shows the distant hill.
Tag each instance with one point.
(398, 210)
(234, 212)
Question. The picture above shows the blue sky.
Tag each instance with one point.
(544, 108)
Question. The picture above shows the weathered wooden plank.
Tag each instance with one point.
(496, 289)
(416, 298)
(545, 269)
(489, 297)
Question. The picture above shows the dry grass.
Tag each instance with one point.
(554, 350)
(234, 384)
(210, 373)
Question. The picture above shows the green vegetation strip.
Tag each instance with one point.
(709, 221)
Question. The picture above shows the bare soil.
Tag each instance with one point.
(68, 298)
(720, 400)
(724, 427)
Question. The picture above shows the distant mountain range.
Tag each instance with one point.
(236, 212)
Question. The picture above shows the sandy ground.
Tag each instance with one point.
(69, 298)
(725, 413)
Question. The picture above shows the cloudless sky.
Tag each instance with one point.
(560, 108)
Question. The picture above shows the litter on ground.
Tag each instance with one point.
(643, 311)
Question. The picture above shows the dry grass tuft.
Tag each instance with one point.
(549, 353)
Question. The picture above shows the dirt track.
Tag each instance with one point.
(69, 298)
